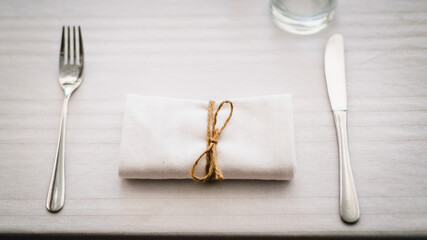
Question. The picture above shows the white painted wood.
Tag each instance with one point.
(202, 50)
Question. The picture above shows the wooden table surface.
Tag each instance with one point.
(204, 49)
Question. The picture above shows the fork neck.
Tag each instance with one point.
(68, 91)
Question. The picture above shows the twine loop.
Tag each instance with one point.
(213, 172)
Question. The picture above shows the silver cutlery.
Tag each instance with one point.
(70, 78)
(336, 84)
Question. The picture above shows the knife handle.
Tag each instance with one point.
(349, 205)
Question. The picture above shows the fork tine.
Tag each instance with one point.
(62, 50)
(68, 46)
(74, 46)
(81, 47)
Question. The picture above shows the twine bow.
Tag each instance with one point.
(213, 172)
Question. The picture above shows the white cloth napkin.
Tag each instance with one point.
(162, 137)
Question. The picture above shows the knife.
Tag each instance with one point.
(336, 84)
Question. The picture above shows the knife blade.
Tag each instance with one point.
(335, 72)
(336, 85)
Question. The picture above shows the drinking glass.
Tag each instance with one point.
(302, 16)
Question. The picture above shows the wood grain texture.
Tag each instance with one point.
(213, 50)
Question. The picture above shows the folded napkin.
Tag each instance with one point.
(162, 137)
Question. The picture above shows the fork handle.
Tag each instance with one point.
(349, 205)
(56, 193)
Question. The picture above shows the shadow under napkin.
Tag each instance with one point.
(188, 188)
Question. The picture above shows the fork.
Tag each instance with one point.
(70, 78)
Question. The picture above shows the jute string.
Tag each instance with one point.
(213, 172)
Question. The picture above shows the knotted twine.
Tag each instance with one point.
(213, 173)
